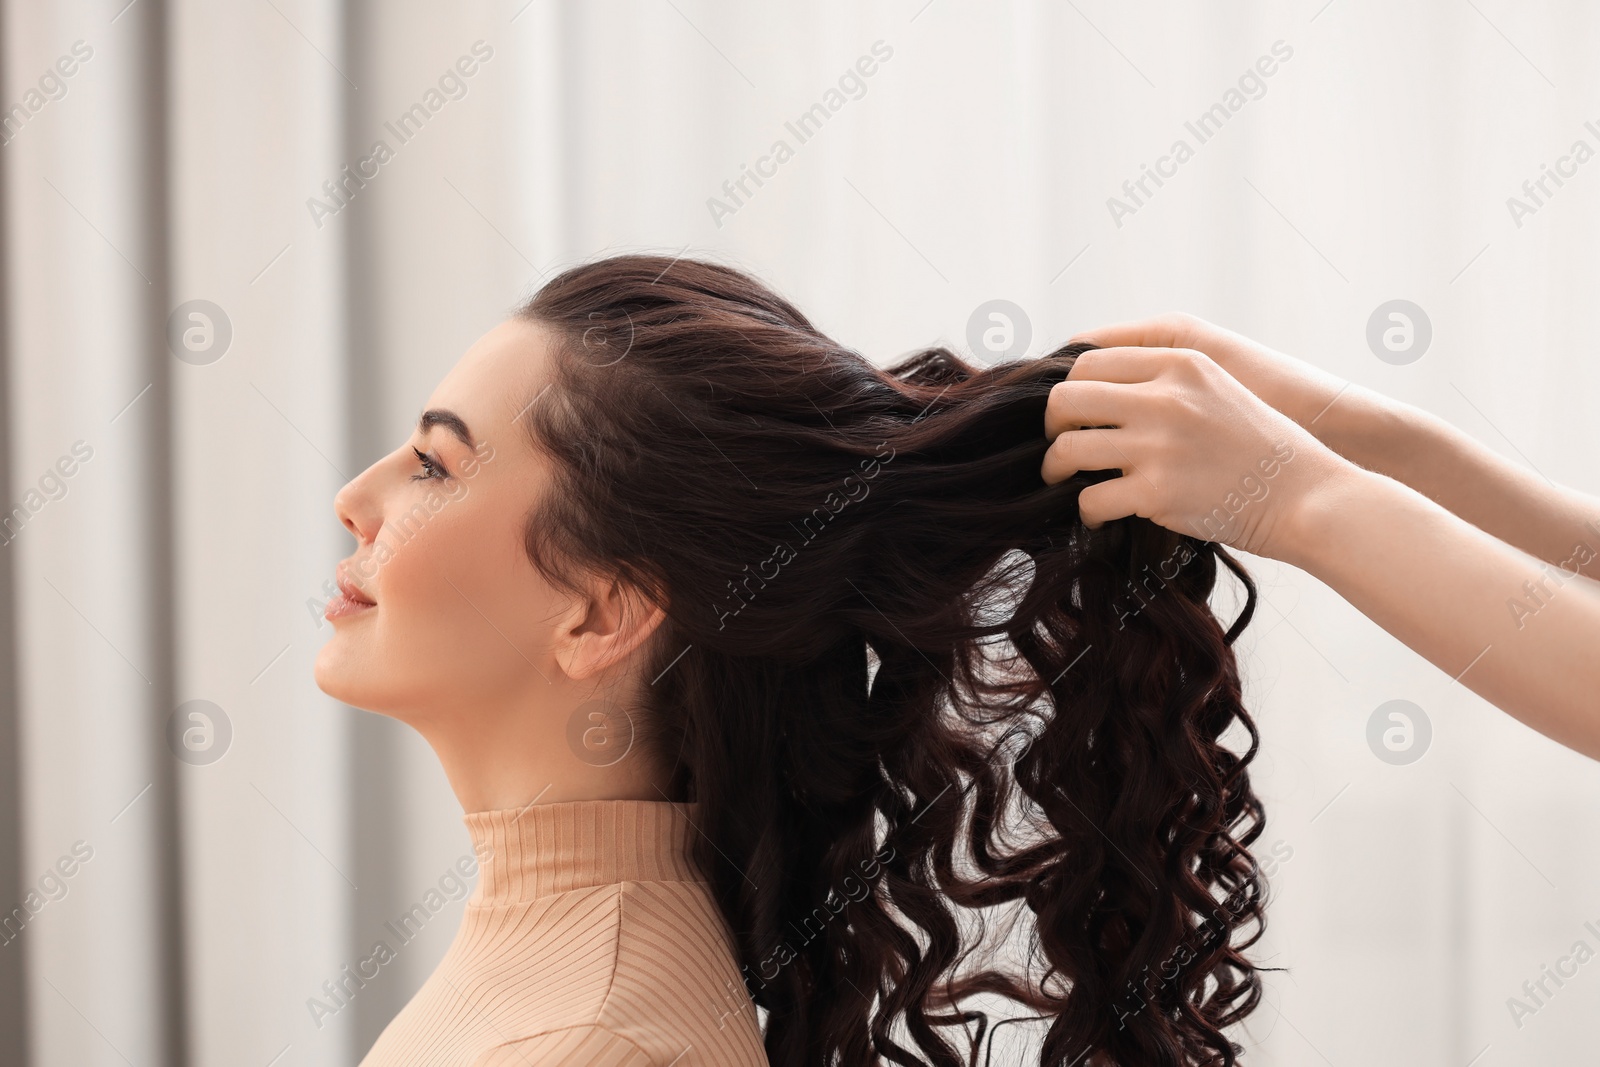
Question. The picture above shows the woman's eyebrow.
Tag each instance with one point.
(449, 420)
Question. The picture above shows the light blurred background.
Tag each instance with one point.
(211, 896)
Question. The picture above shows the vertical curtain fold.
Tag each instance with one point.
(90, 406)
(14, 1001)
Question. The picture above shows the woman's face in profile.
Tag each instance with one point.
(440, 608)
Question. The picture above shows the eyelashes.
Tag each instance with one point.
(431, 468)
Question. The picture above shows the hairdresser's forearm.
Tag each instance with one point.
(1446, 465)
(1458, 597)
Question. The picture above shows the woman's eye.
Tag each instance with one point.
(430, 466)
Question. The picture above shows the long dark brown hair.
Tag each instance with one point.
(948, 744)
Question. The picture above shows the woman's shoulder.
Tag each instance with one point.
(588, 1045)
(597, 1046)
(676, 982)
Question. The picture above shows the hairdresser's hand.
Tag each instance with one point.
(1297, 389)
(1393, 438)
(1199, 453)
(1517, 632)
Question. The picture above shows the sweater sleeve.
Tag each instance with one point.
(576, 1046)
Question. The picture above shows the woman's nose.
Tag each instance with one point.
(357, 507)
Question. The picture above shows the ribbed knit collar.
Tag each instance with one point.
(526, 853)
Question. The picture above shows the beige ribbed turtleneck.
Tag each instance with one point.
(589, 940)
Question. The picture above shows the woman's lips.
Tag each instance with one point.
(349, 601)
(343, 606)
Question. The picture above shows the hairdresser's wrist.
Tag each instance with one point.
(1311, 524)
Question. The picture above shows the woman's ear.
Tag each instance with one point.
(603, 627)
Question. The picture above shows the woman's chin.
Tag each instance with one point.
(334, 674)
(353, 680)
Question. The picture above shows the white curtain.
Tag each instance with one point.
(191, 874)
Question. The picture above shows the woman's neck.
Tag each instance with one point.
(507, 758)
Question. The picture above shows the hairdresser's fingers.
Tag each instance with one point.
(1125, 365)
(1172, 330)
(1094, 449)
(1120, 384)
(1199, 452)
(1299, 390)
(1073, 404)
(1116, 498)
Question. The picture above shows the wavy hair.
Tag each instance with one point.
(950, 747)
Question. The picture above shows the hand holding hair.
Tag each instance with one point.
(1199, 453)
(1468, 559)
